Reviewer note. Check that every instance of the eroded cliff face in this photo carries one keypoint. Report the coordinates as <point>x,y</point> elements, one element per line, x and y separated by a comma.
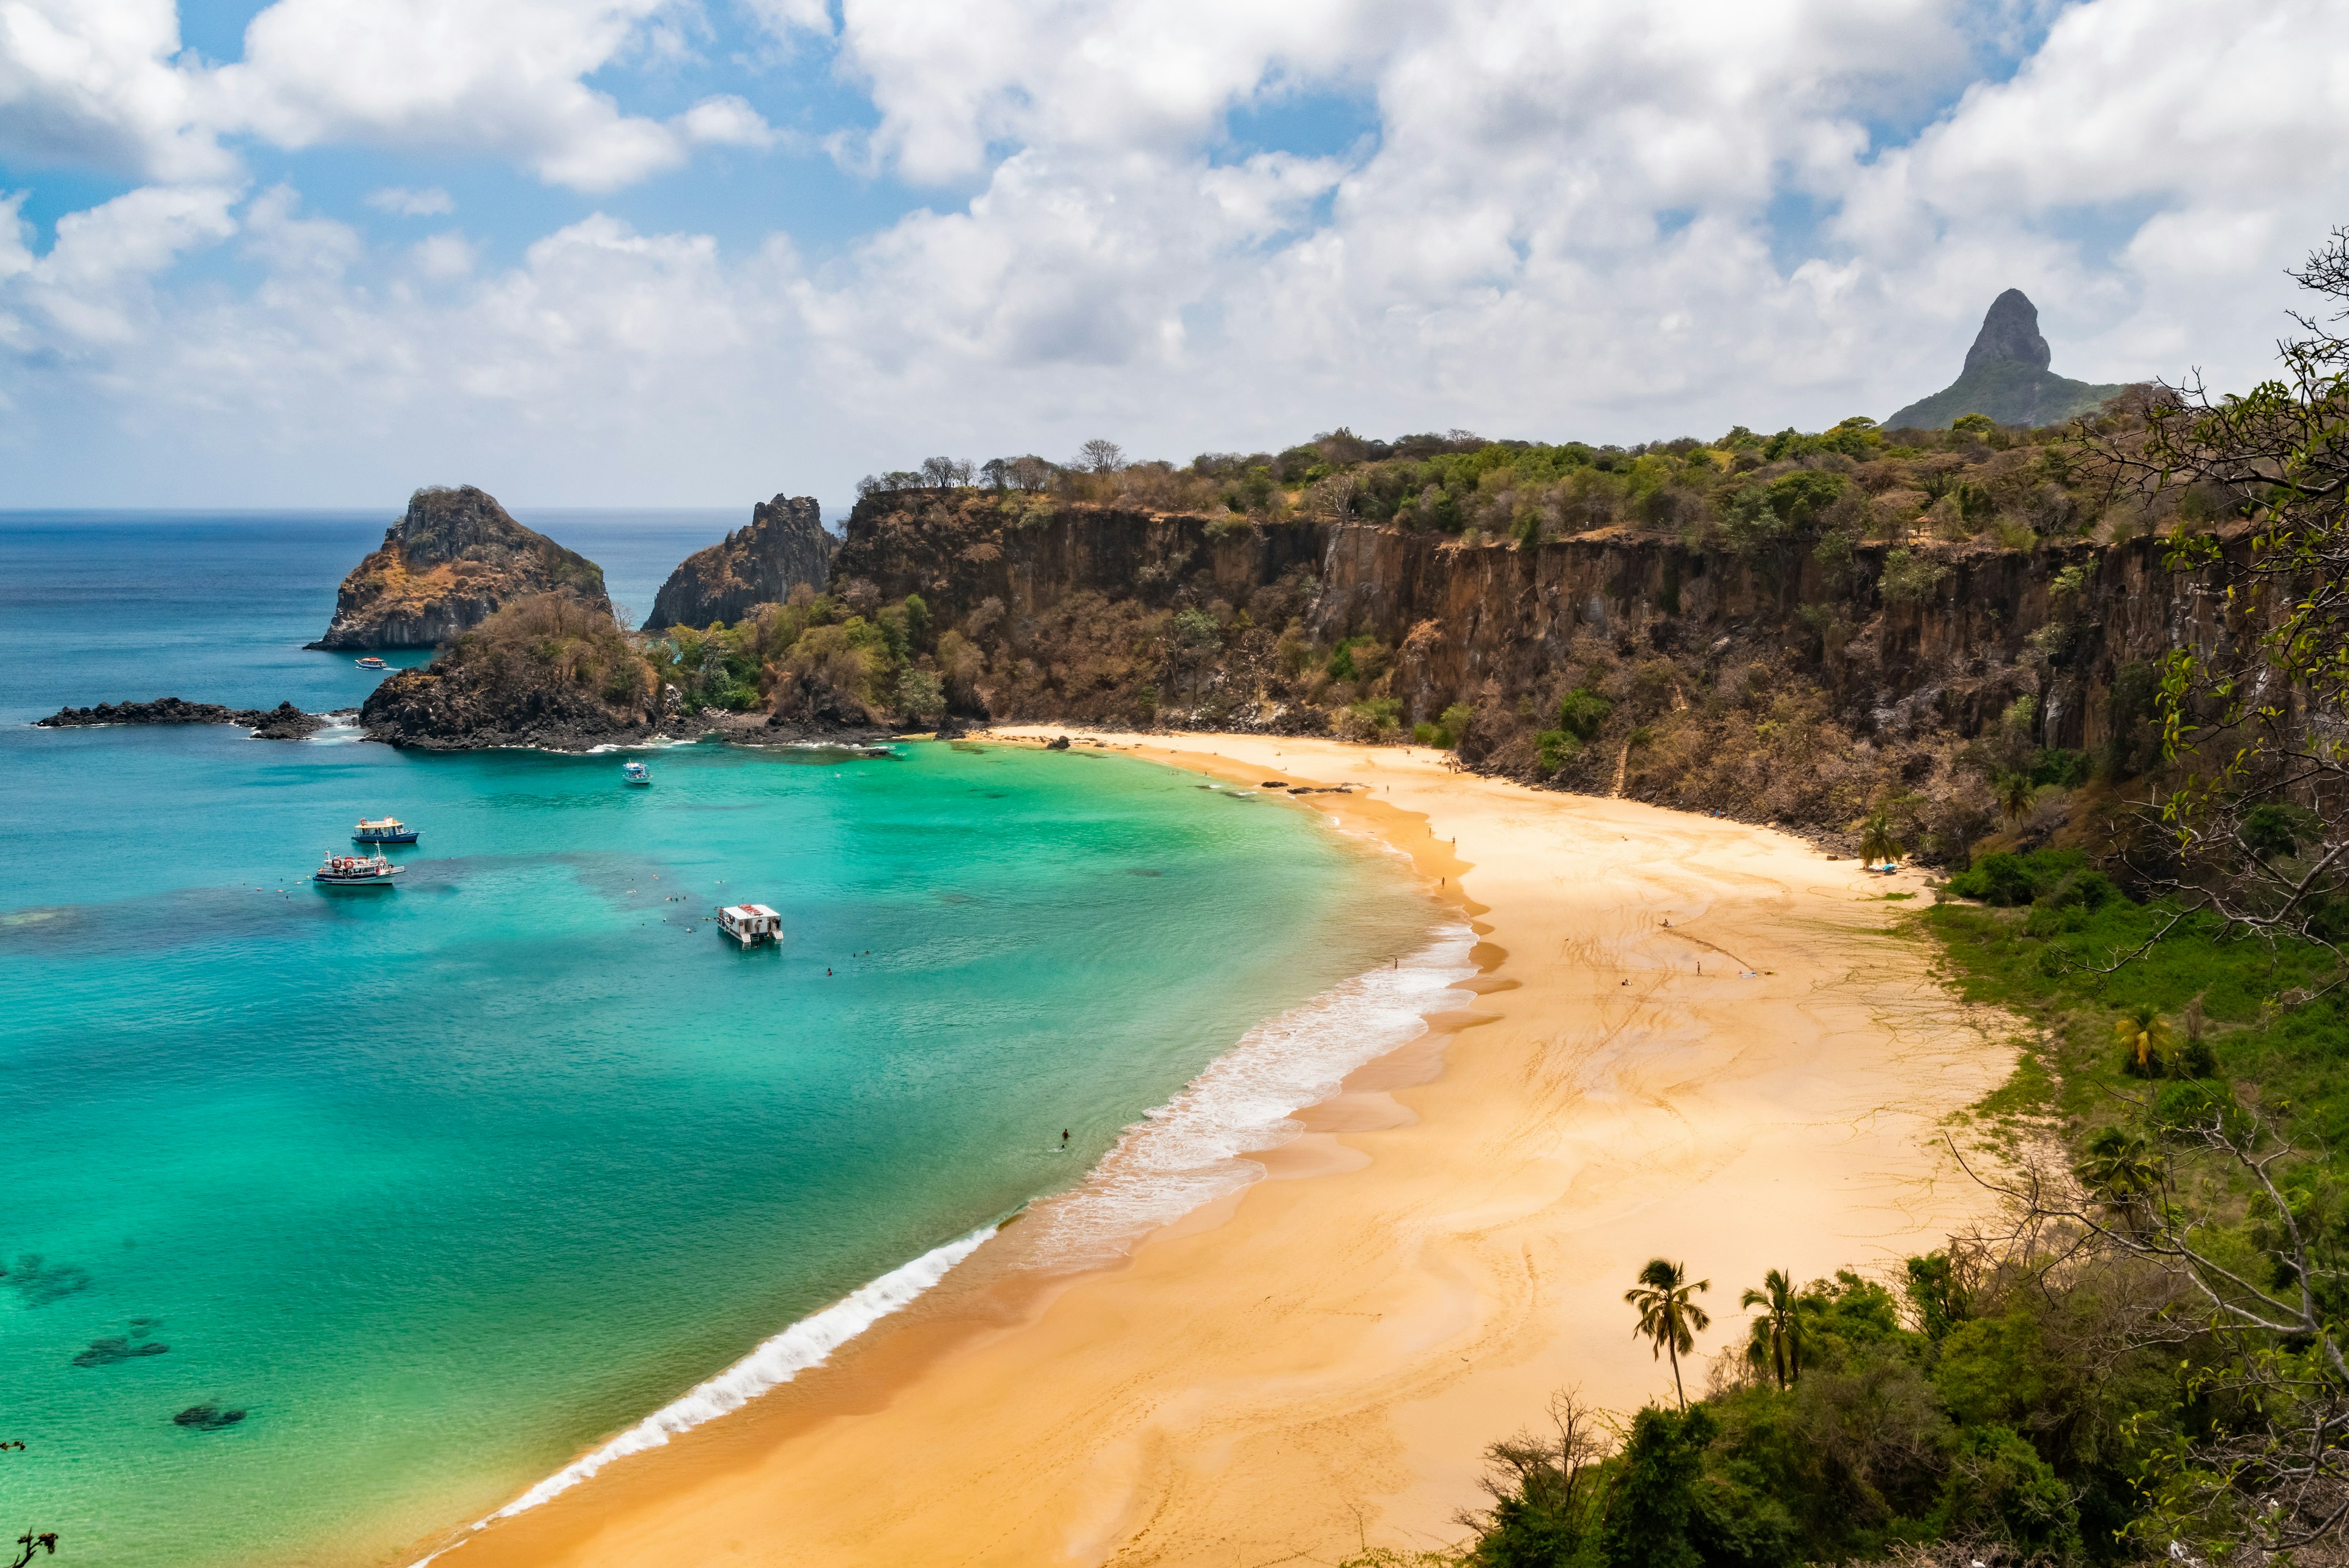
<point>783,546</point>
<point>1773,684</point>
<point>445,567</point>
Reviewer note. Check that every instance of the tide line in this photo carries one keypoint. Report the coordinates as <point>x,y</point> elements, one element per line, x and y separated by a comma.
<point>807,1343</point>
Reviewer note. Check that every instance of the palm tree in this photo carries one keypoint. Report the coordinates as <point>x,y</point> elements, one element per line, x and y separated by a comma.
<point>2016,793</point>
<point>1878,842</point>
<point>1667,1316</point>
<point>1777,1342</point>
<point>2122,1169</point>
<point>2141,1030</point>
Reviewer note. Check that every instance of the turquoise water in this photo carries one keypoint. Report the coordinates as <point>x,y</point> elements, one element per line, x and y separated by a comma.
<point>443,1183</point>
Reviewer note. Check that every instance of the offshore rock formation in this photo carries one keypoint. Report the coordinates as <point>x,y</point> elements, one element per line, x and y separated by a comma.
<point>784,546</point>
<point>2006,376</point>
<point>446,565</point>
<point>547,671</point>
<point>282,722</point>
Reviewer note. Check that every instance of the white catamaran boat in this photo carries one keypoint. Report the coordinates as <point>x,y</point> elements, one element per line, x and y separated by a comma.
<point>354,871</point>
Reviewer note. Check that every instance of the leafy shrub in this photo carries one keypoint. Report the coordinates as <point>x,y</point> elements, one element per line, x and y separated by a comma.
<point>1553,749</point>
<point>1910,579</point>
<point>2005,880</point>
<point>1582,713</point>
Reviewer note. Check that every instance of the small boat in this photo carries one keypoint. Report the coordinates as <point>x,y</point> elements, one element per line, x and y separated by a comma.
<point>354,871</point>
<point>383,830</point>
<point>750,924</point>
<point>370,662</point>
<point>635,773</point>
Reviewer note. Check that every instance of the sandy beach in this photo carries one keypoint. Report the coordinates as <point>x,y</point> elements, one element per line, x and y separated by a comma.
<point>1689,1037</point>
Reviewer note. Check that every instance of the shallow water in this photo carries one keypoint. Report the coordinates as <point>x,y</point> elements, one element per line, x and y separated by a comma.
<point>443,1184</point>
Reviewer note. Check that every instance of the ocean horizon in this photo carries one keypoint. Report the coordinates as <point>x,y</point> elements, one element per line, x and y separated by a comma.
<point>339,1221</point>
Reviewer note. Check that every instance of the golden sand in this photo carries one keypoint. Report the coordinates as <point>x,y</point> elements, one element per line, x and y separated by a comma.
<point>1317,1362</point>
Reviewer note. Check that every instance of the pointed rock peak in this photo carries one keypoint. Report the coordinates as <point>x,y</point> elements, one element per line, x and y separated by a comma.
<point>2010,332</point>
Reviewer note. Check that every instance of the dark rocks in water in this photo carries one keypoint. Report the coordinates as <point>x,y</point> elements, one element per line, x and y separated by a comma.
<point>447,566</point>
<point>207,1417</point>
<point>433,709</point>
<point>1057,744</point>
<point>2006,376</point>
<point>105,1352</point>
<point>37,1284</point>
<point>282,722</point>
<point>783,546</point>
<point>951,729</point>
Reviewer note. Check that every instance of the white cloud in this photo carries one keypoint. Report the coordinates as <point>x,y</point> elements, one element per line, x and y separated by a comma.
<point>724,121</point>
<point>444,255</point>
<point>1572,221</point>
<point>404,203</point>
<point>90,83</point>
<point>104,84</point>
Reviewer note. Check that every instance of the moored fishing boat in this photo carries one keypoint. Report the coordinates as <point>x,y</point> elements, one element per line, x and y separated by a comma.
<point>354,871</point>
<point>636,773</point>
<point>383,830</point>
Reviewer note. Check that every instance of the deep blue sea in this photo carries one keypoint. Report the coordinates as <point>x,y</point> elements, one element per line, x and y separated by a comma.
<point>444,1185</point>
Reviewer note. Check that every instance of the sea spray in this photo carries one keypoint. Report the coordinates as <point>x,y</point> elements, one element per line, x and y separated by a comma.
<point>1189,1151</point>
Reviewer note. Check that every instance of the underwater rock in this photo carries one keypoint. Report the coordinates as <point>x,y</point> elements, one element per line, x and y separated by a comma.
<point>105,1352</point>
<point>207,1418</point>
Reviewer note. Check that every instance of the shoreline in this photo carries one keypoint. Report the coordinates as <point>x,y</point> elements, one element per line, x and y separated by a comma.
<point>1318,1357</point>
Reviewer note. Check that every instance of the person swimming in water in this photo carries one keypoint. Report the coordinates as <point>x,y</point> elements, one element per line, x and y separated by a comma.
<point>1064,1137</point>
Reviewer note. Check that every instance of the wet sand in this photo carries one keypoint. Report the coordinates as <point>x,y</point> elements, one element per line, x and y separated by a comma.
<point>1315,1363</point>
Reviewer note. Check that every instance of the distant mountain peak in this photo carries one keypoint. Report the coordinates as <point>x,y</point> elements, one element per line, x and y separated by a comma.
<point>2010,331</point>
<point>2006,376</point>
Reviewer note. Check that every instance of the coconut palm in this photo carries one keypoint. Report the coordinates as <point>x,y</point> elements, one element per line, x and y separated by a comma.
<point>1668,1317</point>
<point>1878,843</point>
<point>2016,795</point>
<point>1777,1343</point>
<point>2122,1169</point>
<point>2142,1031</point>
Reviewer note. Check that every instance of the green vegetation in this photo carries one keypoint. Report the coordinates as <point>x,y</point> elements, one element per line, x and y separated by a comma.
<point>817,658</point>
<point>2144,1358</point>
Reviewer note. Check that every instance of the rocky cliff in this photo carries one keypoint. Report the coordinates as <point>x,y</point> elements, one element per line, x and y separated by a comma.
<point>2006,376</point>
<point>446,565</point>
<point>783,546</point>
<point>1770,683</point>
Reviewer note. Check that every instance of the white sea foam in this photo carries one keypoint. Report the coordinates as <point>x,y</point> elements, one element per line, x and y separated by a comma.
<point>1187,1152</point>
<point>808,1343</point>
<point>1191,1150</point>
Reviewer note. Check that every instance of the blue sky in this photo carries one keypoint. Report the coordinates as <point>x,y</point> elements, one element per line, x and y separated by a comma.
<point>647,252</point>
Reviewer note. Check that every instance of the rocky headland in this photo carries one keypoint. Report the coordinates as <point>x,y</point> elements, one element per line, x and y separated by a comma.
<point>447,566</point>
<point>783,545</point>
<point>282,722</point>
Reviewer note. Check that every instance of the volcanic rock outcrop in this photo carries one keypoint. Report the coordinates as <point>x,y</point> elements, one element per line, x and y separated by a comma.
<point>784,546</point>
<point>282,722</point>
<point>2006,376</point>
<point>445,567</point>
